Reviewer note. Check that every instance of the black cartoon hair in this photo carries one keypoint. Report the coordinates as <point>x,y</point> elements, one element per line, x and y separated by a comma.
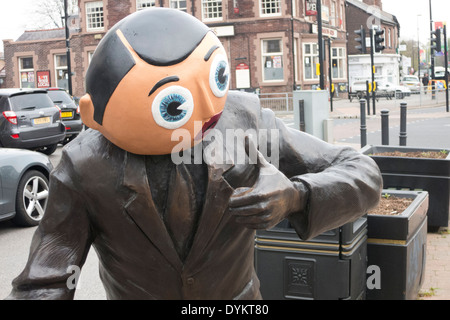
<point>160,36</point>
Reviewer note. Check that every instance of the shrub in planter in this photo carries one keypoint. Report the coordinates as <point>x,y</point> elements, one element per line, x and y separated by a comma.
<point>417,169</point>
<point>397,246</point>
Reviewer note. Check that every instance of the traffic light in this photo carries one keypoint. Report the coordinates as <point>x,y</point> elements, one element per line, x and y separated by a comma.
<point>362,40</point>
<point>436,41</point>
<point>379,40</point>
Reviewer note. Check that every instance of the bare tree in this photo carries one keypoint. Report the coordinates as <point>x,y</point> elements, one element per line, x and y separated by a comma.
<point>48,14</point>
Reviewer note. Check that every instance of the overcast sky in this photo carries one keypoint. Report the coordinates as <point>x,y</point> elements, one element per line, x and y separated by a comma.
<point>15,16</point>
<point>406,12</point>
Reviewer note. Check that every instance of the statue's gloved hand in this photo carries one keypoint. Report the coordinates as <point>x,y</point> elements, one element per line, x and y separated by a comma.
<point>270,200</point>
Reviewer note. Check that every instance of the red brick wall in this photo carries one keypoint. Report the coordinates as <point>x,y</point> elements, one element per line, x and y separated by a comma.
<point>39,51</point>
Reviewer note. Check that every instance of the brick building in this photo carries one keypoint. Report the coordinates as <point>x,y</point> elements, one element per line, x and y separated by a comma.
<point>367,13</point>
<point>271,44</point>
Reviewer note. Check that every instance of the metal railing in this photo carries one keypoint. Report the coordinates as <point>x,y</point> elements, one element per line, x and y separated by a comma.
<point>277,101</point>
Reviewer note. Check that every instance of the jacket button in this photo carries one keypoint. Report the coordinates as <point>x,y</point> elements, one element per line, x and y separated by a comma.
<point>190,281</point>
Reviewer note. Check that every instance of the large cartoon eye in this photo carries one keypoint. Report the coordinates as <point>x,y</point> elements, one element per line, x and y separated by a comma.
<point>219,76</point>
<point>173,107</point>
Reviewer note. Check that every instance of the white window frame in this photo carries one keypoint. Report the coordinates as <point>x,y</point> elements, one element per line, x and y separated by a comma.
<point>390,39</point>
<point>333,17</point>
<point>27,70</point>
<point>313,57</point>
<point>143,4</point>
<point>99,25</point>
<point>177,4</point>
<point>90,55</point>
<point>272,54</point>
<point>263,11</point>
<point>208,5</point>
<point>341,58</point>
<point>58,68</point>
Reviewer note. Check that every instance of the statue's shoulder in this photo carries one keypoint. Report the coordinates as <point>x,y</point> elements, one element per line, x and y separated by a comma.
<point>244,110</point>
<point>243,102</point>
<point>241,110</point>
<point>90,146</point>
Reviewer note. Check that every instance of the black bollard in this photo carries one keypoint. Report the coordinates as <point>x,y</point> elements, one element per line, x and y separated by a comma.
<point>301,109</point>
<point>363,123</point>
<point>385,127</point>
<point>403,107</point>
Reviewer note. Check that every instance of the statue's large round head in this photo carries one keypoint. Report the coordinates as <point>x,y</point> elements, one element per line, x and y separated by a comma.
<point>156,71</point>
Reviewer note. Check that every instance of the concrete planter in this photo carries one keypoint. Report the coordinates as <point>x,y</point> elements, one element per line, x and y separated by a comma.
<point>397,246</point>
<point>432,175</point>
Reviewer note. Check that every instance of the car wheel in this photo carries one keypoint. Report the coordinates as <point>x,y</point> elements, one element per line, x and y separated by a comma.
<point>48,150</point>
<point>31,199</point>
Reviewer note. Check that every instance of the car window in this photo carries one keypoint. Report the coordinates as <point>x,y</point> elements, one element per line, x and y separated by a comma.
<point>410,79</point>
<point>59,96</point>
<point>30,101</point>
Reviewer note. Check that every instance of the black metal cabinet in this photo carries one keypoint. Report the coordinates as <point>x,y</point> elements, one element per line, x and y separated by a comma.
<point>329,267</point>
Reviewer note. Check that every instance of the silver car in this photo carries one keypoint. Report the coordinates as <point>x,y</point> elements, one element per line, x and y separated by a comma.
<point>24,186</point>
<point>412,83</point>
<point>30,120</point>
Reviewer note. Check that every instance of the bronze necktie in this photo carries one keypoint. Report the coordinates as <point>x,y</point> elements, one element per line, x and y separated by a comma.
<point>181,209</point>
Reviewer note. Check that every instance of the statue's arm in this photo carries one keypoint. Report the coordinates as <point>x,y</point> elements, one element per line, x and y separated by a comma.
<point>341,183</point>
<point>60,244</point>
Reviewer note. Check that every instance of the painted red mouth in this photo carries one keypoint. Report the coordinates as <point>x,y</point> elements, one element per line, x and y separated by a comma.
<point>207,126</point>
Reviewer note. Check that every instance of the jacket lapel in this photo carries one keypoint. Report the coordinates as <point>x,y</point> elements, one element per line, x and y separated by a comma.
<point>141,208</point>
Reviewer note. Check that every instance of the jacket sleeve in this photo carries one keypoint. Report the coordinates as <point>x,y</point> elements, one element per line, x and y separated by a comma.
<point>341,183</point>
<point>60,244</point>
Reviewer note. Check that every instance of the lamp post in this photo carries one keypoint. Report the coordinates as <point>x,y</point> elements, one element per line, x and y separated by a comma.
<point>433,96</point>
<point>418,46</point>
<point>69,68</point>
<point>320,40</point>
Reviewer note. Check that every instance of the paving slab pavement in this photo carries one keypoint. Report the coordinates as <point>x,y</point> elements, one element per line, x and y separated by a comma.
<point>436,283</point>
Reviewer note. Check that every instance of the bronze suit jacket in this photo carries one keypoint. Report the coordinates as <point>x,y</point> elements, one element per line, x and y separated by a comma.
<point>100,197</point>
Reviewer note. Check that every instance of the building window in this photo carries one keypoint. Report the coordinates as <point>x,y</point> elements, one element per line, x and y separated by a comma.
<point>296,59</point>
<point>389,38</point>
<point>61,74</point>
<point>142,4</point>
<point>94,16</point>
<point>272,59</point>
<point>26,72</point>
<point>338,60</point>
<point>310,61</point>
<point>270,7</point>
<point>211,10</point>
<point>90,55</point>
<point>333,17</point>
<point>177,4</point>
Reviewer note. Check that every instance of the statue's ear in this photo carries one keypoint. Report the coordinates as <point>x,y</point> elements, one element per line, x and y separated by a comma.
<point>87,112</point>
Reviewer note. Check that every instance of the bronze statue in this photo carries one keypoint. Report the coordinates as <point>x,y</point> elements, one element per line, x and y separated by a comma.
<point>157,92</point>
